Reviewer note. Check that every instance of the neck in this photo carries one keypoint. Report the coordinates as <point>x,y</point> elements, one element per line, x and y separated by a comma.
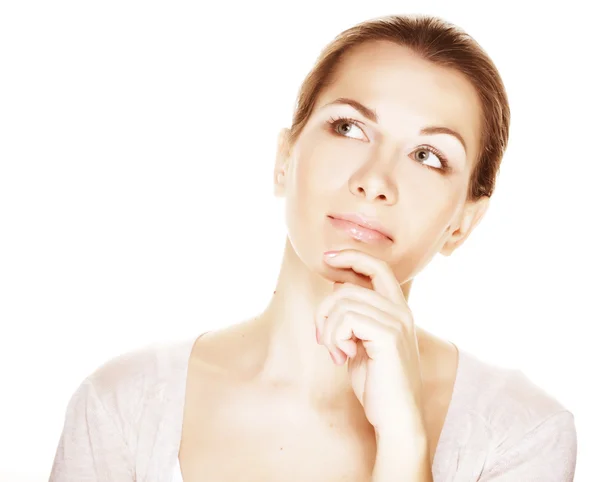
<point>292,357</point>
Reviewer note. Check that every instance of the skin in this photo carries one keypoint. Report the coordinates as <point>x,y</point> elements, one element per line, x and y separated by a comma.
<point>264,397</point>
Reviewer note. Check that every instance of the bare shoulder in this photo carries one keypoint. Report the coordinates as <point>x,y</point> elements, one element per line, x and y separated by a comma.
<point>479,400</point>
<point>224,351</point>
<point>439,361</point>
<point>492,388</point>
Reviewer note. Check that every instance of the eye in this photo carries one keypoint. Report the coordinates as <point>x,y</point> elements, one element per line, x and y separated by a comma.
<point>426,154</point>
<point>344,126</point>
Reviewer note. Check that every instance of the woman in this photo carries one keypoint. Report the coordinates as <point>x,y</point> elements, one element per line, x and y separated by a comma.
<point>391,158</point>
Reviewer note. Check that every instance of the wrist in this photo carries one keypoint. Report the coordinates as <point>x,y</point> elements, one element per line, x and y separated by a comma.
<point>401,453</point>
<point>412,444</point>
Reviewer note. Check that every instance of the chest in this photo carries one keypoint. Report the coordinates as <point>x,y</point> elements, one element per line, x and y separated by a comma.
<point>257,460</point>
<point>241,440</point>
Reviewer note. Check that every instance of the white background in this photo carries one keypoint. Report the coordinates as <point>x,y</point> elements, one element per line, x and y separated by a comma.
<point>137,141</point>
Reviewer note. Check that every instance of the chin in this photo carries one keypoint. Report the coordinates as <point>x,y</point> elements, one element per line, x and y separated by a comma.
<point>309,251</point>
<point>311,236</point>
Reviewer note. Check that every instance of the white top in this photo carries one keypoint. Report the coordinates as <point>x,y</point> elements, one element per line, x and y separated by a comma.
<point>177,477</point>
<point>124,423</point>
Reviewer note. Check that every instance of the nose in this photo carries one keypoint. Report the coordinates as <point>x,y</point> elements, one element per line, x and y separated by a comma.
<point>373,183</point>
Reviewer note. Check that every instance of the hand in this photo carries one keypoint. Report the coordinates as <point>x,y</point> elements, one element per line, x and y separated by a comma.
<point>373,330</point>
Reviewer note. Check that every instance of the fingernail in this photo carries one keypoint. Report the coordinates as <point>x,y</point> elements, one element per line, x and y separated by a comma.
<point>330,254</point>
<point>333,358</point>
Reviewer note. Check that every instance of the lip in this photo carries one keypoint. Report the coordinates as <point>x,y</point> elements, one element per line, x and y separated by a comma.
<point>360,227</point>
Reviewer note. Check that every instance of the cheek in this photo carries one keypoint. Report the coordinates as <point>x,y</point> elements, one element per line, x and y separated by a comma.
<point>433,217</point>
<point>425,224</point>
<point>305,193</point>
<point>425,207</point>
<point>318,174</point>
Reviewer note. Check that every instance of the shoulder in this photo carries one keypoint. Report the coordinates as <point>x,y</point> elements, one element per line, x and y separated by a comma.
<point>515,418</point>
<point>140,370</point>
<point>138,382</point>
<point>124,414</point>
<point>504,398</point>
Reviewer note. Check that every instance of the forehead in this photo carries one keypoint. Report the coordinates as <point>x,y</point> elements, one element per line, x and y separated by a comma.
<point>407,91</point>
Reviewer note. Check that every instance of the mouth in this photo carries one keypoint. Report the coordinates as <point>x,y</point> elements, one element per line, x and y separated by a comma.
<point>360,228</point>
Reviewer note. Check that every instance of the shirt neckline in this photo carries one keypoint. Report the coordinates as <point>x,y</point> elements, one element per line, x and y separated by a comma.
<point>443,440</point>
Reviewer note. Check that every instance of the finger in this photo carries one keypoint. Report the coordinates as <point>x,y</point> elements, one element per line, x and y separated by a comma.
<point>349,291</point>
<point>358,306</point>
<point>377,270</point>
<point>324,308</point>
<point>320,315</point>
<point>346,348</point>
<point>336,318</point>
<point>374,337</point>
<point>347,275</point>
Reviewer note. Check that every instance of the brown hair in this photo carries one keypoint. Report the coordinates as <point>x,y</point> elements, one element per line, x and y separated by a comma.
<point>442,43</point>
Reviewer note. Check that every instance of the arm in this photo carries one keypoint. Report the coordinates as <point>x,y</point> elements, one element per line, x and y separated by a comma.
<point>91,447</point>
<point>397,460</point>
<point>546,453</point>
<point>374,331</point>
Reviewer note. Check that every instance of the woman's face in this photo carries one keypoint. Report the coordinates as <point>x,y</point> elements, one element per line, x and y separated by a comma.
<point>404,165</point>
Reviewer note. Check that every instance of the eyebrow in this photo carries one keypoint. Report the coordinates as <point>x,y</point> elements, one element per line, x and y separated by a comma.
<point>373,117</point>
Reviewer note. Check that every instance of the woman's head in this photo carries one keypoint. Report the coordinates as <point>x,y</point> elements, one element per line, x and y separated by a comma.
<point>404,120</point>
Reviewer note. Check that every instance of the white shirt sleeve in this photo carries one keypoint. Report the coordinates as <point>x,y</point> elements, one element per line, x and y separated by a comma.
<point>546,453</point>
<point>91,446</point>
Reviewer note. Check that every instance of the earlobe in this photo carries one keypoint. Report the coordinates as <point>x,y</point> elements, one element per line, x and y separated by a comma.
<point>279,184</point>
<point>472,215</point>
<point>281,161</point>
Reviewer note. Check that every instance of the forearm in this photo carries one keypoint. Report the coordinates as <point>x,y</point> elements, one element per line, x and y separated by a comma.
<point>402,458</point>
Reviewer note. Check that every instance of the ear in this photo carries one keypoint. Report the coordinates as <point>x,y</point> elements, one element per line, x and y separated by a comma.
<point>472,214</point>
<point>281,162</point>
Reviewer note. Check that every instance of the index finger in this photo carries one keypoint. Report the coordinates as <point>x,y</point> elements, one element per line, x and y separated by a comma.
<point>382,277</point>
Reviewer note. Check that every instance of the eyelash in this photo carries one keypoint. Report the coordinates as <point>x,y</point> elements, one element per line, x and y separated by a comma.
<point>335,121</point>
